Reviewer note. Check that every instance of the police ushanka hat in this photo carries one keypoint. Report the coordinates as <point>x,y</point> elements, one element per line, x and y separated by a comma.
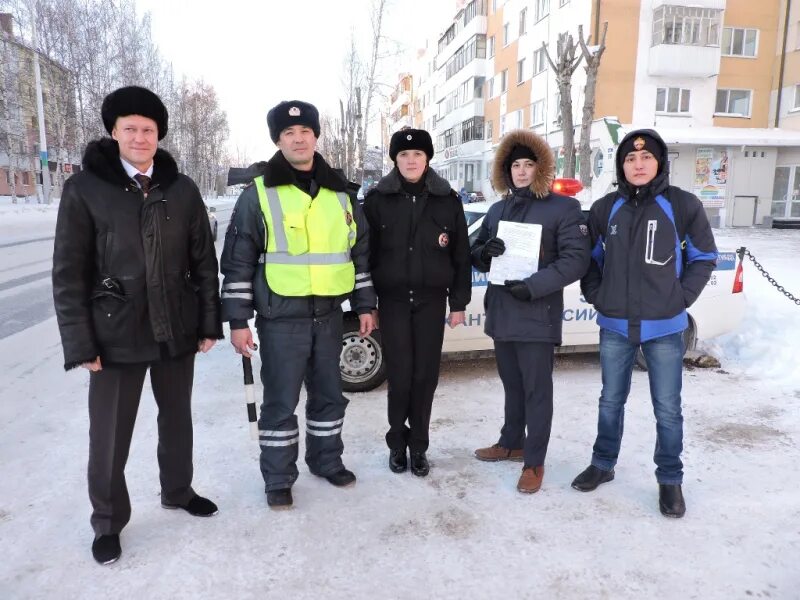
<point>410,139</point>
<point>292,112</point>
<point>134,100</point>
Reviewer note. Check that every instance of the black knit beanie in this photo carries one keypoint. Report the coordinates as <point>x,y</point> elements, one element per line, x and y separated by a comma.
<point>641,141</point>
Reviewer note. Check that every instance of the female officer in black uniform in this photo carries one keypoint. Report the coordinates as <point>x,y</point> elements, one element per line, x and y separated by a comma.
<point>419,259</point>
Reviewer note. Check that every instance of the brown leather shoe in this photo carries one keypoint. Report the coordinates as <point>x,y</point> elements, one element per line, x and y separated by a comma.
<point>531,479</point>
<point>497,452</point>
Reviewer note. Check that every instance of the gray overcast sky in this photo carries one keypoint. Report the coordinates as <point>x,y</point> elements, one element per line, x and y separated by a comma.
<point>259,53</point>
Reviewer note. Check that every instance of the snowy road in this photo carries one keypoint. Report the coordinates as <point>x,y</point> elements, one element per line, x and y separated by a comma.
<point>463,532</point>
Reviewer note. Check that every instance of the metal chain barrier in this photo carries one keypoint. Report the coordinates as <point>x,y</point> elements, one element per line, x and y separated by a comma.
<point>742,252</point>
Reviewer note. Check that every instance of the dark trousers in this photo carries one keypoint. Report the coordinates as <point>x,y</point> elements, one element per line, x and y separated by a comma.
<point>411,334</point>
<point>114,394</point>
<point>526,370</point>
<point>293,350</point>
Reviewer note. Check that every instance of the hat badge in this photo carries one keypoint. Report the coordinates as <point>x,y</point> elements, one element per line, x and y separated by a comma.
<point>638,143</point>
<point>294,111</point>
<point>408,137</point>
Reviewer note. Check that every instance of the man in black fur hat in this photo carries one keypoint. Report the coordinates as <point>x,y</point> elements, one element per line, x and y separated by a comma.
<point>296,248</point>
<point>135,287</point>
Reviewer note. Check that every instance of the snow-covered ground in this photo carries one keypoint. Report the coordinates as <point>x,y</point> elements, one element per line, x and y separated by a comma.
<point>462,532</point>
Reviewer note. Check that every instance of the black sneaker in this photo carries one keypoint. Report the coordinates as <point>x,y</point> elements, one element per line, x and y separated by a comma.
<point>106,549</point>
<point>341,478</point>
<point>197,507</point>
<point>398,461</point>
<point>419,464</point>
<point>278,499</point>
<point>670,501</point>
<point>591,478</point>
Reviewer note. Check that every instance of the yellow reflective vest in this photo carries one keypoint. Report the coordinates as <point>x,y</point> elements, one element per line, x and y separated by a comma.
<point>308,241</point>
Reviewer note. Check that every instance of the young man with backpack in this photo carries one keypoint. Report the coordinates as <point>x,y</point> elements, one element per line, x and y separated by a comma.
<point>653,252</point>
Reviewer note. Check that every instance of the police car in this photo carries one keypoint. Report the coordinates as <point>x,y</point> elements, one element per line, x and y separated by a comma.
<point>719,309</point>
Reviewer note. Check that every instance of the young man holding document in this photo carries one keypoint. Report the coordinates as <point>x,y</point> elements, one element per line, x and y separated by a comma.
<point>525,296</point>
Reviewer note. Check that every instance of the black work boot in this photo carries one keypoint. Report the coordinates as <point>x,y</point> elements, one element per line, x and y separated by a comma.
<point>106,549</point>
<point>342,478</point>
<point>419,464</point>
<point>197,507</point>
<point>670,500</point>
<point>279,499</point>
<point>591,478</point>
<point>398,461</point>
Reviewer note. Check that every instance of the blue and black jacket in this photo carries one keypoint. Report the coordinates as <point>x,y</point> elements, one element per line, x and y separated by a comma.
<point>653,252</point>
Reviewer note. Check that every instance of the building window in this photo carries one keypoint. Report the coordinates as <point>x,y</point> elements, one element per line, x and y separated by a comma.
<point>733,102</point>
<point>489,131</point>
<point>539,61</point>
<point>506,35</point>
<point>541,8</point>
<point>557,112</point>
<point>739,42</point>
<point>523,21</point>
<point>797,29</point>
<point>537,113</point>
<point>490,88</point>
<point>491,47</point>
<point>796,97</point>
<point>686,25</point>
<point>520,71</point>
<point>472,129</point>
<point>672,100</point>
<point>474,48</point>
<point>502,125</point>
<point>504,81</point>
<point>473,9</point>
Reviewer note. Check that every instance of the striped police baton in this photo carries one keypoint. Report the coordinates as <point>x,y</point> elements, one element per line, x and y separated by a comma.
<point>250,395</point>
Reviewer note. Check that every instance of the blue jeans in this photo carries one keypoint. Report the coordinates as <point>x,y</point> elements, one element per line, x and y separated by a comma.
<point>665,370</point>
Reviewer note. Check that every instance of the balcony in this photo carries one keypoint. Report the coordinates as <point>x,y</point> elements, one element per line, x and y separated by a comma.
<point>404,121</point>
<point>679,60</point>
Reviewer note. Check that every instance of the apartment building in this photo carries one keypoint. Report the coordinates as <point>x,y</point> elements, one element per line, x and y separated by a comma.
<point>19,129</point>
<point>719,79</point>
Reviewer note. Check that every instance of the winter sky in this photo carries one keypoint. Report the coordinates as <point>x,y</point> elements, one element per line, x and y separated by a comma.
<point>259,53</point>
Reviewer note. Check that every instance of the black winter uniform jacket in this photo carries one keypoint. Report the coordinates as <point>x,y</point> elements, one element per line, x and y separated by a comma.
<point>134,278</point>
<point>564,254</point>
<point>642,277</point>
<point>245,287</point>
<point>419,244</point>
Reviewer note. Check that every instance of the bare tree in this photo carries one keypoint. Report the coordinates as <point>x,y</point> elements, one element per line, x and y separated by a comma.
<point>12,134</point>
<point>563,70</point>
<point>592,59</point>
<point>376,19</point>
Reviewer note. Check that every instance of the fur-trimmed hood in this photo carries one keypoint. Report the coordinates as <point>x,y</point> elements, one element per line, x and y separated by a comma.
<point>101,158</point>
<point>545,162</point>
<point>435,184</point>
<point>277,171</point>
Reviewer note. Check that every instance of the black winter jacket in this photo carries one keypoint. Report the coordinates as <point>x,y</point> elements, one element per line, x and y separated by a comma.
<point>245,287</point>
<point>134,278</point>
<point>642,277</point>
<point>564,254</point>
<point>419,244</point>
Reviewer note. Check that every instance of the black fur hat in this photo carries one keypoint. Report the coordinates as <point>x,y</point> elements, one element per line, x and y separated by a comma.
<point>410,139</point>
<point>292,112</point>
<point>134,100</point>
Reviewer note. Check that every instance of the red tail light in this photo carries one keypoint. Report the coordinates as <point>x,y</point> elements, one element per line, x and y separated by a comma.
<point>567,186</point>
<point>738,280</point>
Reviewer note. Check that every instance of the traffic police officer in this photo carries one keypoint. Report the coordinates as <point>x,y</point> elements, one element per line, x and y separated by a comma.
<point>296,247</point>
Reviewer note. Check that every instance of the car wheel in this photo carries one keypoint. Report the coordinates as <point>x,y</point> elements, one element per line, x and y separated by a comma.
<point>689,343</point>
<point>361,363</point>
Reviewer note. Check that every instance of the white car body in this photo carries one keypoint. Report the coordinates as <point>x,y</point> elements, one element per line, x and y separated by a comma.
<point>718,310</point>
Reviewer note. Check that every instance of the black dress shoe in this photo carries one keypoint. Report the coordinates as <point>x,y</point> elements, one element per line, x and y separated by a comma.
<point>591,478</point>
<point>278,499</point>
<point>670,501</point>
<point>106,549</point>
<point>197,507</point>
<point>398,461</point>
<point>419,464</point>
<point>341,478</point>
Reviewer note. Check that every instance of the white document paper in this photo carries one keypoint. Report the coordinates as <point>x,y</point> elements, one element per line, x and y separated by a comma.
<point>521,258</point>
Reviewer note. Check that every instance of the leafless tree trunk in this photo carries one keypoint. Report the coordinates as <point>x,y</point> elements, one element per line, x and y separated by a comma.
<point>567,63</point>
<point>592,59</point>
<point>378,12</point>
<point>11,135</point>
